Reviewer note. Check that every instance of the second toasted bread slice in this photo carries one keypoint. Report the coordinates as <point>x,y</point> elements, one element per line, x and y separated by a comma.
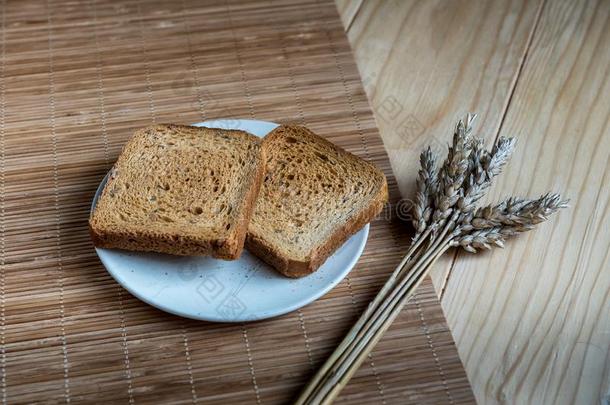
<point>181,190</point>
<point>313,198</point>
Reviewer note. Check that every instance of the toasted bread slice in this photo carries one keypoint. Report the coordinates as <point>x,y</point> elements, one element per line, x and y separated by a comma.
<point>314,197</point>
<point>181,190</point>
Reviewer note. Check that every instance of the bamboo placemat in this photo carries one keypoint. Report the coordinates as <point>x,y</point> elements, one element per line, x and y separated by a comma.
<point>75,80</point>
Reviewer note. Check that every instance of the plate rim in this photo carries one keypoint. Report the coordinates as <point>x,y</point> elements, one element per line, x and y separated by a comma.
<point>116,275</point>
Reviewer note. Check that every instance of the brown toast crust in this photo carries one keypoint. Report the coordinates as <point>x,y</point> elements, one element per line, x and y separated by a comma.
<point>228,249</point>
<point>261,247</point>
<point>141,238</point>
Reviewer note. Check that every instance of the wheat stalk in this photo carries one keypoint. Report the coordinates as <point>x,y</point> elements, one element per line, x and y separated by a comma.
<point>484,167</point>
<point>444,216</point>
<point>453,171</point>
<point>426,187</point>
<point>515,212</point>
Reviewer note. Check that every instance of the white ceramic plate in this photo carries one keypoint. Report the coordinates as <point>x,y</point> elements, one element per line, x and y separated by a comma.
<point>225,291</point>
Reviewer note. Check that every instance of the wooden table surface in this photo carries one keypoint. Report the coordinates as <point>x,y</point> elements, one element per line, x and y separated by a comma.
<point>532,321</point>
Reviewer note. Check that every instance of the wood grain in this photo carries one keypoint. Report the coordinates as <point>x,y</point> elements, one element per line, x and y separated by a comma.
<point>533,322</point>
<point>76,79</point>
<point>425,64</point>
<point>348,9</point>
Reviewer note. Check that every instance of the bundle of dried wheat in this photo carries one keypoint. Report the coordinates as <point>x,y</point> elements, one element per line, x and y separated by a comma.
<point>445,215</point>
